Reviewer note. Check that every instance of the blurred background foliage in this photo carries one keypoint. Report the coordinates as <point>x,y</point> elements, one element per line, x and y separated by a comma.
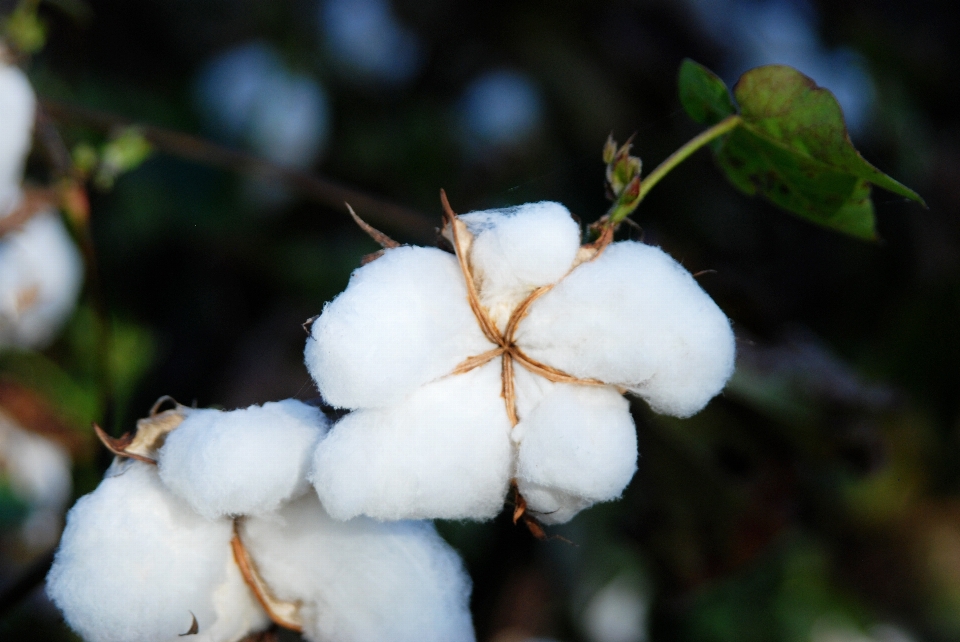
<point>817,499</point>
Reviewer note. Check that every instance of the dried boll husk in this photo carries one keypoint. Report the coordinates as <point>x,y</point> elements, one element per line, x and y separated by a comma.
<point>554,319</point>
<point>361,580</point>
<point>242,462</point>
<point>137,564</point>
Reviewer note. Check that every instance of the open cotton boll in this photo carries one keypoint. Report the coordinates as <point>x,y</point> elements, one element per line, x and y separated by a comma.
<point>17,108</point>
<point>577,447</point>
<point>41,272</point>
<point>517,249</point>
<point>444,452</point>
<point>136,564</point>
<point>242,461</point>
<point>635,317</point>
<point>362,580</point>
<point>403,320</point>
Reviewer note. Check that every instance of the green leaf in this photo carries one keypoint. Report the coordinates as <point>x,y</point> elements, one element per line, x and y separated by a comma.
<point>703,95</point>
<point>791,146</point>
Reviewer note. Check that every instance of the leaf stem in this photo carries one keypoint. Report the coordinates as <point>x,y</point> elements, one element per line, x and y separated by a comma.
<point>725,126</point>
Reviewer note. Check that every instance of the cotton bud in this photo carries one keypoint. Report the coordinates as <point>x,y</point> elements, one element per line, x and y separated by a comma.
<point>137,564</point>
<point>505,362</point>
<point>242,462</point>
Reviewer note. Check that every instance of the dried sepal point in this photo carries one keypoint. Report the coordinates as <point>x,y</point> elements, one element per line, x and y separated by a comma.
<point>506,362</point>
<point>221,538</point>
<point>41,270</point>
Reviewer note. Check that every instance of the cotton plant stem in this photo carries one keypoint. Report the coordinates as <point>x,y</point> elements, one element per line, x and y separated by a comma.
<point>412,223</point>
<point>725,126</point>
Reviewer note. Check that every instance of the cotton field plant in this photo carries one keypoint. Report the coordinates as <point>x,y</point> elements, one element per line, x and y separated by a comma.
<point>491,373</point>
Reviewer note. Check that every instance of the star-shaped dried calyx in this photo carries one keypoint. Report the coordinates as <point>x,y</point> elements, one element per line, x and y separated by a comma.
<point>460,237</point>
<point>505,362</point>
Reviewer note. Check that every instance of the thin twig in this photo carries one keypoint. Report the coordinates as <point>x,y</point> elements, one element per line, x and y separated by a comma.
<point>320,190</point>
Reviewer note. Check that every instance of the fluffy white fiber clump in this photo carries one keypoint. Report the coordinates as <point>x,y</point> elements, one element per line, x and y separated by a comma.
<point>136,564</point>
<point>242,462</point>
<point>444,451</point>
<point>40,267</point>
<point>393,329</point>
<point>426,435</point>
<point>361,580</point>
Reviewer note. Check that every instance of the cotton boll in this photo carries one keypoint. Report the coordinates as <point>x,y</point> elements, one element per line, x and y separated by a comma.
<point>136,564</point>
<point>38,472</point>
<point>577,447</point>
<point>243,461</point>
<point>444,452</point>
<point>17,109</point>
<point>634,317</point>
<point>518,249</point>
<point>362,580</point>
<point>41,272</point>
<point>403,320</point>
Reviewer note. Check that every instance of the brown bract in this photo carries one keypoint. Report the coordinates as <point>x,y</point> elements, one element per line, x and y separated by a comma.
<point>285,614</point>
<point>149,436</point>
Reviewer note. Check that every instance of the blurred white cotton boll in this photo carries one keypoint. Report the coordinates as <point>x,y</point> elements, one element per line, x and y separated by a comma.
<point>38,471</point>
<point>517,249</point>
<point>362,580</point>
<point>17,109</point>
<point>136,564</point>
<point>368,43</point>
<point>635,317</point>
<point>241,462</point>
<point>501,109</point>
<point>402,321</point>
<point>41,272</point>
<point>617,613</point>
<point>247,94</point>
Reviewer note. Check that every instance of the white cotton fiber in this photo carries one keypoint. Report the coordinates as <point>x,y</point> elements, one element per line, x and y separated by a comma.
<point>444,452</point>
<point>518,249</point>
<point>577,447</point>
<point>41,272</point>
<point>362,580</point>
<point>241,462</point>
<point>136,565</point>
<point>403,320</point>
<point>634,317</point>
<point>17,109</point>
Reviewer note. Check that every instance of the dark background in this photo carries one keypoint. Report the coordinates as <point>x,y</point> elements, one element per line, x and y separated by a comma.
<point>818,496</point>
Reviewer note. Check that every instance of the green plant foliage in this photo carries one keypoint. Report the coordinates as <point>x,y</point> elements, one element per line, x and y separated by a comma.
<point>791,145</point>
<point>703,95</point>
